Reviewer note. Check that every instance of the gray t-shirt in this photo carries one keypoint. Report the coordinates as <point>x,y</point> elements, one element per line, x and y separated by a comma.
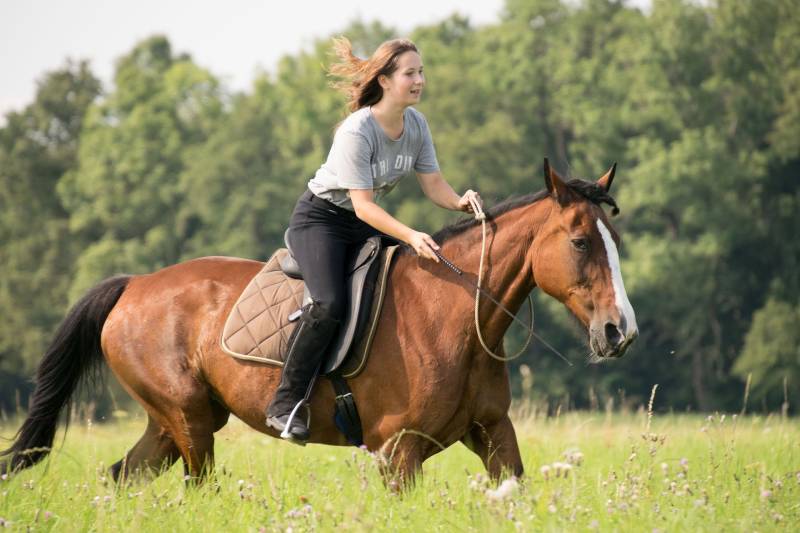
<point>364,157</point>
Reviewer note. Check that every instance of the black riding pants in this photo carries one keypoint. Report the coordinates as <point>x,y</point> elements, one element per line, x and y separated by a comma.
<point>322,237</point>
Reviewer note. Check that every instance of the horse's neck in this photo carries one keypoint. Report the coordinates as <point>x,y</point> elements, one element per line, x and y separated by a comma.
<point>506,276</point>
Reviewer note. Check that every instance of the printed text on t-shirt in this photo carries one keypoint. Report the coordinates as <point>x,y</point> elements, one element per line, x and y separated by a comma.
<point>401,162</point>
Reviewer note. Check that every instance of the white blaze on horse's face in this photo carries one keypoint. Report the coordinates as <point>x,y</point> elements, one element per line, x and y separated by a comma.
<point>620,296</point>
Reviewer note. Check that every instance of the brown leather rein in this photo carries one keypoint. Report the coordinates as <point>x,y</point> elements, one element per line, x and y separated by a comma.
<point>480,215</point>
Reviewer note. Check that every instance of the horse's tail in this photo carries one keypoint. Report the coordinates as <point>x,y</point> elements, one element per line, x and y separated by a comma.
<point>74,355</point>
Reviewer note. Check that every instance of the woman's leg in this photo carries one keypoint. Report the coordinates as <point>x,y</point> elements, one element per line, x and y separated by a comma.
<point>319,243</point>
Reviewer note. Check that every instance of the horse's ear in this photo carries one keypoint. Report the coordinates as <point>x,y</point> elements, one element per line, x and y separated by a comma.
<point>555,183</point>
<point>605,181</point>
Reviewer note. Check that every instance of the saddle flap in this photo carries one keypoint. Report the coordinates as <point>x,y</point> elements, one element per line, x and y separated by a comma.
<point>361,286</point>
<point>366,254</point>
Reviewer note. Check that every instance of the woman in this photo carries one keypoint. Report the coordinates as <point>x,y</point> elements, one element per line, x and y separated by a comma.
<point>380,142</point>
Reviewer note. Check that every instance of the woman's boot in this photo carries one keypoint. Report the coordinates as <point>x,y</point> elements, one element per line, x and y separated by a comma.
<point>306,351</point>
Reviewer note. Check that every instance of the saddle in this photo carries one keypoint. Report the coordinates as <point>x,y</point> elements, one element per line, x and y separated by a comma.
<point>261,321</point>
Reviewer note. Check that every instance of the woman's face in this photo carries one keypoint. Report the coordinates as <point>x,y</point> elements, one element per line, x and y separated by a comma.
<point>404,85</point>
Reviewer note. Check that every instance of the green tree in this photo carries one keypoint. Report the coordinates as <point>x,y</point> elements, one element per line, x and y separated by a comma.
<point>38,145</point>
<point>771,352</point>
<point>124,195</point>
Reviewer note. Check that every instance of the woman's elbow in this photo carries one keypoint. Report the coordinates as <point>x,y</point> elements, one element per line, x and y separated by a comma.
<point>360,210</point>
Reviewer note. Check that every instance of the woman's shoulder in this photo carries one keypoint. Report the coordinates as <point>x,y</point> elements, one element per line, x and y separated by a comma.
<point>417,117</point>
<point>357,121</point>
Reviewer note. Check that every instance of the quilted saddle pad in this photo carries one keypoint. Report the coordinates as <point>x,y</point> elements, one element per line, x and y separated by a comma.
<point>258,326</point>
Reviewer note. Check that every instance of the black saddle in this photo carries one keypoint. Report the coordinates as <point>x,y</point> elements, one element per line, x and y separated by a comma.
<point>362,271</point>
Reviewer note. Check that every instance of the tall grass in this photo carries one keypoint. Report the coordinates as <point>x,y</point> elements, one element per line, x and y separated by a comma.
<point>599,470</point>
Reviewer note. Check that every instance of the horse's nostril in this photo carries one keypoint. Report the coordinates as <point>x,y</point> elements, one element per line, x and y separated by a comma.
<point>613,334</point>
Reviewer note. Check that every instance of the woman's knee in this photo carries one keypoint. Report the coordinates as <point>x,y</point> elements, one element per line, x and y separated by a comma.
<point>328,309</point>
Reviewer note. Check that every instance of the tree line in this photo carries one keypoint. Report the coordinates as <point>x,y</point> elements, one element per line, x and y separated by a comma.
<point>698,103</point>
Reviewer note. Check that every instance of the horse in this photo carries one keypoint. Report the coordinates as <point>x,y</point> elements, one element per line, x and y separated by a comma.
<point>427,377</point>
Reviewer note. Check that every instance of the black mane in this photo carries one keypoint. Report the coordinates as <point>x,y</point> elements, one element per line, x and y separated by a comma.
<point>587,189</point>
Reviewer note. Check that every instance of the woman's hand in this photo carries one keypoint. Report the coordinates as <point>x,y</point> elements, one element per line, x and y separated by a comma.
<point>464,203</point>
<point>424,245</point>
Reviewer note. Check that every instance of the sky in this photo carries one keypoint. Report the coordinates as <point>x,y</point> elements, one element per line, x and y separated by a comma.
<point>233,39</point>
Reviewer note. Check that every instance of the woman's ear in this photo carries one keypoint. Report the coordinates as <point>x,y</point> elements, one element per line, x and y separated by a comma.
<point>383,81</point>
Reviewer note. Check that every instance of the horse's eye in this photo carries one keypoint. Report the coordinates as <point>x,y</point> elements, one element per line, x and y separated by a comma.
<point>580,244</point>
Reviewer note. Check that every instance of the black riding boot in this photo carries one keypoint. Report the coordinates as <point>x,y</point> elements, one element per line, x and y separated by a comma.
<point>305,353</point>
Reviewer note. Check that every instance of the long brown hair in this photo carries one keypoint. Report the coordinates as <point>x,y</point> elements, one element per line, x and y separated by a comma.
<point>360,76</point>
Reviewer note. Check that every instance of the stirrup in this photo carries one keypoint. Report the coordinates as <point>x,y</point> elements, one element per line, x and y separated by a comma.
<point>286,433</point>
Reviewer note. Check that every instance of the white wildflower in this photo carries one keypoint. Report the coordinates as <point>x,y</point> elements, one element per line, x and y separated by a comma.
<point>506,489</point>
<point>574,457</point>
<point>562,469</point>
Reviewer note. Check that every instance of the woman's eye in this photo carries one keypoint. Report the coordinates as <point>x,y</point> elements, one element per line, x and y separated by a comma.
<point>580,244</point>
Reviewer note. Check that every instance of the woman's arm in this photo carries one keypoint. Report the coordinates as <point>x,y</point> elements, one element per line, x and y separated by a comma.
<point>374,215</point>
<point>442,194</point>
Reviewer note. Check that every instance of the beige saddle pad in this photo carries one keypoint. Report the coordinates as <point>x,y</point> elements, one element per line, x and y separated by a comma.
<point>258,326</point>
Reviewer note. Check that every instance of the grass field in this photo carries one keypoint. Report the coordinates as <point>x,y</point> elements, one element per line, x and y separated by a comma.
<point>584,471</point>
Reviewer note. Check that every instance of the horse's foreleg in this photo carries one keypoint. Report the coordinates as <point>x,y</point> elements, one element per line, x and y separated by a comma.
<point>402,461</point>
<point>154,453</point>
<point>496,445</point>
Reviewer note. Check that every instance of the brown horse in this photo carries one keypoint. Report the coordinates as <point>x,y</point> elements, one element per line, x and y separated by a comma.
<point>160,334</point>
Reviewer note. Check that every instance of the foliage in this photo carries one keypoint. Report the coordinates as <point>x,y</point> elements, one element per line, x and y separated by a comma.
<point>697,101</point>
<point>771,352</point>
<point>37,147</point>
<point>123,194</point>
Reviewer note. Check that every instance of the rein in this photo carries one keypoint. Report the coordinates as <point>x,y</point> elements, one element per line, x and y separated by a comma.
<point>480,215</point>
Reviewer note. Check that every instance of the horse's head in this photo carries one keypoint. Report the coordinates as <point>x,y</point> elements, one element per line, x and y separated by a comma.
<point>575,260</point>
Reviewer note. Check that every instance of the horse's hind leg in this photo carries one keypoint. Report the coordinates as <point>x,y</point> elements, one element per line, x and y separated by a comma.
<point>496,445</point>
<point>155,452</point>
<point>186,433</point>
<point>193,428</point>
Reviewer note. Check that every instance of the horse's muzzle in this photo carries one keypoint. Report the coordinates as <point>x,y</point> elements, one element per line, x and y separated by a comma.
<point>610,341</point>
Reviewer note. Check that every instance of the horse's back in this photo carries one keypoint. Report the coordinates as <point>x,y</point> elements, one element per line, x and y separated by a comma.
<point>213,268</point>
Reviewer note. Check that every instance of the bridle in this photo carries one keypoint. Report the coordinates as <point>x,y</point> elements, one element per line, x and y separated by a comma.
<point>480,215</point>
